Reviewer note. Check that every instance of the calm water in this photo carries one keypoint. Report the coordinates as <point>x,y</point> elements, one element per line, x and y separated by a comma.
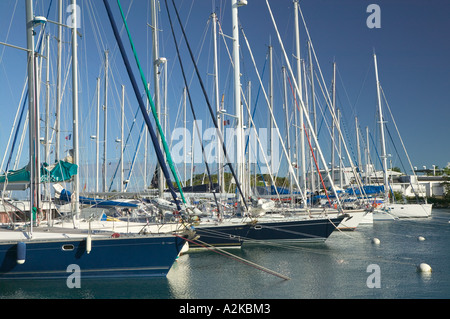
<point>334,269</point>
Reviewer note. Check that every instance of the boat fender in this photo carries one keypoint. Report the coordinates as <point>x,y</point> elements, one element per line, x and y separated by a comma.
<point>88,244</point>
<point>21,253</point>
<point>115,235</point>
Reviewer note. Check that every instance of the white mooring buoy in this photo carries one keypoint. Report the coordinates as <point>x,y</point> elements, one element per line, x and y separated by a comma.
<point>424,268</point>
<point>420,238</point>
<point>375,241</point>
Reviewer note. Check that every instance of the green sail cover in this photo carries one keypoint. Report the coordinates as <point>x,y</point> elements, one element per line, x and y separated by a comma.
<point>58,172</point>
<point>18,176</point>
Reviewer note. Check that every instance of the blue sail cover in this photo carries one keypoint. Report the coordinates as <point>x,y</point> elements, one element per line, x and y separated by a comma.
<point>368,189</point>
<point>95,202</point>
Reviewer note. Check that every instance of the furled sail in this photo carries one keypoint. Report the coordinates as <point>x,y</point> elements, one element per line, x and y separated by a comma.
<point>61,171</point>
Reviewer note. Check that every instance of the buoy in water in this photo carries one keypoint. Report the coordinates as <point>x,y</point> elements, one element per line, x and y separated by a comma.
<point>88,244</point>
<point>420,238</point>
<point>21,253</point>
<point>375,241</point>
<point>424,268</point>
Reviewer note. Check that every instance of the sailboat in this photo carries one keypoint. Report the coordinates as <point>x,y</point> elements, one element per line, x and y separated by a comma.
<point>31,251</point>
<point>244,227</point>
<point>391,210</point>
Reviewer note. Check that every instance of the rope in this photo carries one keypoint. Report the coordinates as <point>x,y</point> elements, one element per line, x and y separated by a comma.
<point>234,257</point>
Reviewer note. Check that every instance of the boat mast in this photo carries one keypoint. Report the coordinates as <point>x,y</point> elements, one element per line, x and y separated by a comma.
<point>157,99</point>
<point>271,141</point>
<point>97,138</point>
<point>288,142</point>
<point>58,82</point>
<point>333,125</point>
<point>248,166</point>
<point>237,95</point>
<point>313,100</point>
<point>185,136</point>
<point>105,123</point>
<point>299,81</point>
<point>76,160</point>
<point>146,145</point>
<point>32,111</point>
<point>367,156</point>
<point>358,144</point>
<point>47,124</point>
<point>383,142</point>
<point>216,99</point>
<point>47,101</point>
<point>122,120</point>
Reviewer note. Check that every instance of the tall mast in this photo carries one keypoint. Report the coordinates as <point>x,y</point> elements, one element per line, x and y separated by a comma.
<point>185,136</point>
<point>47,101</point>
<point>105,121</point>
<point>248,166</point>
<point>313,103</point>
<point>271,141</point>
<point>299,81</point>
<point>340,148</point>
<point>287,127</point>
<point>237,94</point>
<point>58,82</point>
<point>97,139</point>
<point>333,125</point>
<point>383,142</point>
<point>47,121</point>
<point>216,99</point>
<point>157,98</point>
<point>146,144</point>
<point>367,156</point>
<point>358,143</point>
<point>33,131</point>
<point>76,160</point>
<point>122,120</point>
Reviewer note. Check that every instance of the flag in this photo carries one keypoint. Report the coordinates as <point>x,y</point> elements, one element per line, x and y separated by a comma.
<point>68,137</point>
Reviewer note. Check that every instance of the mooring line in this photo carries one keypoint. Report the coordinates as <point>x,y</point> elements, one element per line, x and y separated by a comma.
<point>237,258</point>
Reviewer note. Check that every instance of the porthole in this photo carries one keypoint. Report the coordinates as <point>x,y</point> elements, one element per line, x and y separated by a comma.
<point>68,247</point>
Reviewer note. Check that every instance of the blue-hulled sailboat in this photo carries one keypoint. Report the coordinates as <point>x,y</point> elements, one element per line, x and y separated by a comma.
<point>30,251</point>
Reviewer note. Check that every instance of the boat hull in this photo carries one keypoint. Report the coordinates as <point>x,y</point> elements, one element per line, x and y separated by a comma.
<point>395,211</point>
<point>351,222</point>
<point>292,231</point>
<point>109,257</point>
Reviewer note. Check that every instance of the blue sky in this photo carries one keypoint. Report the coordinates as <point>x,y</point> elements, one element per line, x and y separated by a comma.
<point>412,46</point>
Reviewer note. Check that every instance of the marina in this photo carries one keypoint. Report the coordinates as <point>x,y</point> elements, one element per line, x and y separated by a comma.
<point>335,269</point>
<point>231,168</point>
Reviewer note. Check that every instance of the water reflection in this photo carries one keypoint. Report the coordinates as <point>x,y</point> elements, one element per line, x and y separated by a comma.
<point>334,269</point>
